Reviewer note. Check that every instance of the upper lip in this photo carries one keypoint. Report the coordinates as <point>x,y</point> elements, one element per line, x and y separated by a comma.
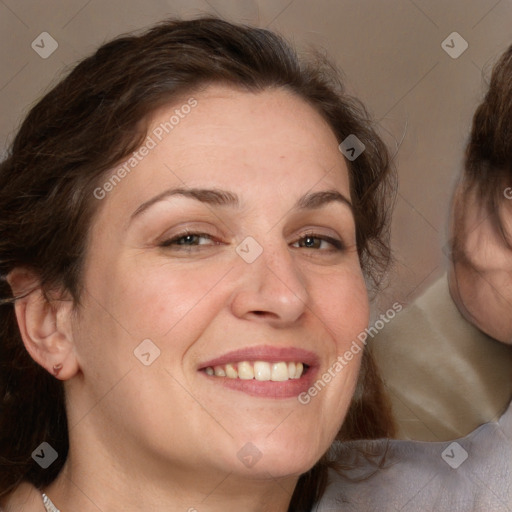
<point>264,353</point>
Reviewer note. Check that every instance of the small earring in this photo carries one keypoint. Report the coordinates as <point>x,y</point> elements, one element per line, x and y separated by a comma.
<point>57,368</point>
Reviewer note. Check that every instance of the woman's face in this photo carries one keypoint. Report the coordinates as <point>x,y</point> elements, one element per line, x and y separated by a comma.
<point>231,241</point>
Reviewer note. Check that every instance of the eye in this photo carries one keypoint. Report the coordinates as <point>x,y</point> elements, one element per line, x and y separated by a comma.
<point>322,242</point>
<point>188,239</point>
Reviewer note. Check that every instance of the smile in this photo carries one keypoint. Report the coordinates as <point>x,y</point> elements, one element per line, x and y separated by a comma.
<point>259,370</point>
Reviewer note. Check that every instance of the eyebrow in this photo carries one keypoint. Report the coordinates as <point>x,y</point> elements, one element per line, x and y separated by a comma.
<point>217,197</point>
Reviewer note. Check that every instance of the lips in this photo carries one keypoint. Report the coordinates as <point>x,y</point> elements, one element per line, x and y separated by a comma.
<point>264,371</point>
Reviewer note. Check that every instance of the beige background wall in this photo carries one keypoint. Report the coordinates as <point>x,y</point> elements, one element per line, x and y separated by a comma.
<point>390,52</point>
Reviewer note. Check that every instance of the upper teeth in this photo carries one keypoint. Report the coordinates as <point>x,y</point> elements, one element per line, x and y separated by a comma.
<point>259,370</point>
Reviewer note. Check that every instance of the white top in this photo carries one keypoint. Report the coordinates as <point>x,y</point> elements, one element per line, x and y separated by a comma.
<point>471,474</point>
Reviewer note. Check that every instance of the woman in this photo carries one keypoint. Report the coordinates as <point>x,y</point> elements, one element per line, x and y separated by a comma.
<point>185,251</point>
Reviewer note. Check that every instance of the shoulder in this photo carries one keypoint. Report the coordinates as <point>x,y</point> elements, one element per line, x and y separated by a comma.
<point>470,473</point>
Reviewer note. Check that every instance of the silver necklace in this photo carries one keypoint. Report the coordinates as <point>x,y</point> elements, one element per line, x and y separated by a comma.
<point>48,505</point>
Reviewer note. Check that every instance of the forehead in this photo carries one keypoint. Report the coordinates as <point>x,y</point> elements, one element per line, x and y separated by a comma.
<point>272,141</point>
<point>231,117</point>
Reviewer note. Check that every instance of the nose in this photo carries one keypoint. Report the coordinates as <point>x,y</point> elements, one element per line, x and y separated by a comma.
<point>271,289</point>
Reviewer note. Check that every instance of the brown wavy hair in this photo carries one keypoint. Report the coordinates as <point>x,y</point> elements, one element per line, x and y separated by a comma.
<point>92,120</point>
<point>488,158</point>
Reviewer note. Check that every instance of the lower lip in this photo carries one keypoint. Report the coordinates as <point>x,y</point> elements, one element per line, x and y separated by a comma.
<point>267,388</point>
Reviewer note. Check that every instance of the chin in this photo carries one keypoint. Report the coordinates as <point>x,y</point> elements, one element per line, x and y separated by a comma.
<point>500,334</point>
<point>488,326</point>
<point>287,457</point>
<point>282,466</point>
<point>264,456</point>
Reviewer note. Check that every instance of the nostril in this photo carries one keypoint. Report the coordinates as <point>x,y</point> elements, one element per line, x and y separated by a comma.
<point>268,314</point>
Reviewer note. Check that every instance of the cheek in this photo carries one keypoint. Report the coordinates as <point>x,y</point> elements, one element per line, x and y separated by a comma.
<point>341,302</point>
<point>343,308</point>
<point>488,301</point>
<point>472,293</point>
<point>126,303</point>
<point>158,298</point>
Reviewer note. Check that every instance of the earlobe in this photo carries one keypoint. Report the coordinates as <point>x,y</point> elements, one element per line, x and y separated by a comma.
<point>44,324</point>
<point>57,368</point>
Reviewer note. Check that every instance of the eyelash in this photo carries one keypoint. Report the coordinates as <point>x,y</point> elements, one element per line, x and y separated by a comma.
<point>337,244</point>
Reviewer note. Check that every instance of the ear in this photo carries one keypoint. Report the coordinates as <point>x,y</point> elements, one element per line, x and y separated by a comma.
<point>45,324</point>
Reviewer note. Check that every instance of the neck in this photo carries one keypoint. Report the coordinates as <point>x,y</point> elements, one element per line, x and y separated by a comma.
<point>111,470</point>
<point>77,488</point>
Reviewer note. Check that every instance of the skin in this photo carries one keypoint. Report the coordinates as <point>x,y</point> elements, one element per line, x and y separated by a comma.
<point>480,274</point>
<point>165,437</point>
